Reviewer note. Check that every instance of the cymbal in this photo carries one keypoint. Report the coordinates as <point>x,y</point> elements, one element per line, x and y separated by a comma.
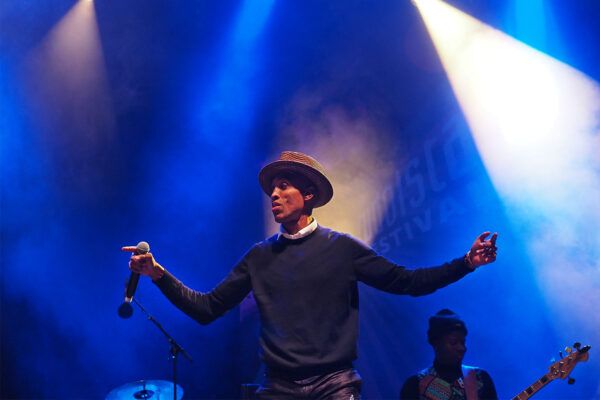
<point>145,390</point>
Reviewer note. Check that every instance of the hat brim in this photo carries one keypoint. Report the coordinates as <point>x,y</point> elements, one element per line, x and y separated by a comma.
<point>270,171</point>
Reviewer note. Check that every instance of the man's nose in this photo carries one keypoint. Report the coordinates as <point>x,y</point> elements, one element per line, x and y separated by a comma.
<point>275,193</point>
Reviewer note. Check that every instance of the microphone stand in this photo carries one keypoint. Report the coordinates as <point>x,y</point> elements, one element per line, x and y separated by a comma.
<point>173,352</point>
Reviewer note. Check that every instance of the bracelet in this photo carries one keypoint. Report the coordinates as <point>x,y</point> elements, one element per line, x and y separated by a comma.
<point>468,260</point>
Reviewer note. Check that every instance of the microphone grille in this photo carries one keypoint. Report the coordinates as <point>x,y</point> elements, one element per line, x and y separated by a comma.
<point>142,248</point>
<point>125,310</point>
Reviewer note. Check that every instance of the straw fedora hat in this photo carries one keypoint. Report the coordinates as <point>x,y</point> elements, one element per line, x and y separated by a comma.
<point>301,164</point>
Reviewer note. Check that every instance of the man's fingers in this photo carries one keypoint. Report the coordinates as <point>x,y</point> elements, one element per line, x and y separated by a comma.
<point>482,237</point>
<point>141,258</point>
<point>493,239</point>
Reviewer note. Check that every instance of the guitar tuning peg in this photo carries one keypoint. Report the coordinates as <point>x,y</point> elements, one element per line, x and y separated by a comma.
<point>577,345</point>
<point>568,350</point>
<point>570,381</point>
<point>560,354</point>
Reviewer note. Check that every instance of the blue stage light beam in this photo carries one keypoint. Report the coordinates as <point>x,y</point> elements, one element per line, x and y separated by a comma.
<point>226,105</point>
<point>530,19</point>
<point>535,122</point>
<point>218,113</point>
<point>221,108</point>
<point>251,21</point>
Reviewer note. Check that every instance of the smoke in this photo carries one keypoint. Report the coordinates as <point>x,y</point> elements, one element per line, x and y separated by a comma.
<point>353,147</point>
<point>535,121</point>
<point>70,103</point>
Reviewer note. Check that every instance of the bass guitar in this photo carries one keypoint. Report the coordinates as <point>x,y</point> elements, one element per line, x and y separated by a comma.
<point>560,369</point>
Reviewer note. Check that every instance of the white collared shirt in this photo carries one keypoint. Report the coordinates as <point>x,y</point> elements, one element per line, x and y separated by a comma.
<point>307,230</point>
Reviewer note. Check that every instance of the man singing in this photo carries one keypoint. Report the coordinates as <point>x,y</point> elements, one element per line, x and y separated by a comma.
<point>305,282</point>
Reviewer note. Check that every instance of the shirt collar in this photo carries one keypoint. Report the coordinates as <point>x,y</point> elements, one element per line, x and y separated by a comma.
<point>307,230</point>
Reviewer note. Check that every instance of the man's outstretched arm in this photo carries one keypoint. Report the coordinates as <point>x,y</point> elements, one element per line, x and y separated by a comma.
<point>202,307</point>
<point>377,271</point>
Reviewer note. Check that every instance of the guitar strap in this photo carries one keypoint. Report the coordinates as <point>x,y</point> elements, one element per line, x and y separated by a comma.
<point>424,383</point>
<point>428,390</point>
<point>424,386</point>
<point>471,385</point>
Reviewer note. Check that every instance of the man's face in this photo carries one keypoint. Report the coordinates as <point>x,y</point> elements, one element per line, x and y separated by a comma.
<point>287,201</point>
<point>450,348</point>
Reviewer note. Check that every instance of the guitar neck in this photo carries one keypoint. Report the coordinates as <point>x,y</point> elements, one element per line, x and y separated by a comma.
<point>533,389</point>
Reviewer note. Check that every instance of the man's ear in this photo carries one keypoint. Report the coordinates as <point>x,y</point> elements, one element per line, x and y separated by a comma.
<point>309,193</point>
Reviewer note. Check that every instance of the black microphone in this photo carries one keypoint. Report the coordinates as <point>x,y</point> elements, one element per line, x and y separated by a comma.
<point>125,310</point>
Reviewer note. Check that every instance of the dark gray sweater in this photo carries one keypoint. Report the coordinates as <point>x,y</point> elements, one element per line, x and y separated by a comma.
<point>307,296</point>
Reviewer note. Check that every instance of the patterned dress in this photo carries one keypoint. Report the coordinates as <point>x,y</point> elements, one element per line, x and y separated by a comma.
<point>465,383</point>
